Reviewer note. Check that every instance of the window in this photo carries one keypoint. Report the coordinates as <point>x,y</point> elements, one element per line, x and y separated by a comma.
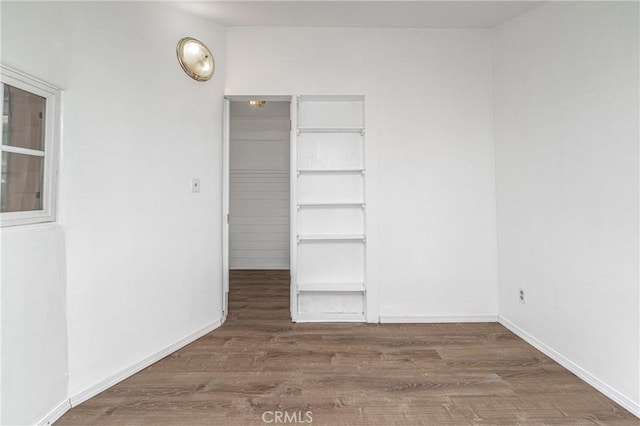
<point>30,112</point>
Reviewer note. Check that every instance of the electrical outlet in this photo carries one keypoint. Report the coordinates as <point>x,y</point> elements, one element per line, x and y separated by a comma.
<point>195,185</point>
<point>521,296</point>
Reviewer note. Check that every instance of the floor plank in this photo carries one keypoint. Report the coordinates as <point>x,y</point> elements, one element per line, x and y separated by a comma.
<point>347,374</point>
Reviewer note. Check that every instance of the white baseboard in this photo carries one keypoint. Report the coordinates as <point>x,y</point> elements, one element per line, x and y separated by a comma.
<point>592,380</point>
<point>55,414</point>
<point>427,319</point>
<point>130,371</point>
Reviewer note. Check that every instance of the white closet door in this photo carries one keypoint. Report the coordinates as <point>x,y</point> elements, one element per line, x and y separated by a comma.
<point>330,211</point>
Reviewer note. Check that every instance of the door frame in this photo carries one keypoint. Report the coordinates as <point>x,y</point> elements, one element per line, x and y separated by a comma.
<point>226,124</point>
<point>226,169</point>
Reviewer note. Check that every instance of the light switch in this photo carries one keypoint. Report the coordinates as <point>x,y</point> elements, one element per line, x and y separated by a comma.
<point>195,185</point>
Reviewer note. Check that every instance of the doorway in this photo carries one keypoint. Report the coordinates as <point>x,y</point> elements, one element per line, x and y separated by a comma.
<point>257,180</point>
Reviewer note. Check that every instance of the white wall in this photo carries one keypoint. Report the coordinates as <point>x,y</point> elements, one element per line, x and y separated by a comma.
<point>143,252</point>
<point>566,128</point>
<point>34,326</point>
<point>430,177</point>
<point>259,191</point>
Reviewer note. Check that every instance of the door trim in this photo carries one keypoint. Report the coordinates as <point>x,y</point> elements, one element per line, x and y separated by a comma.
<point>226,192</point>
<point>226,124</point>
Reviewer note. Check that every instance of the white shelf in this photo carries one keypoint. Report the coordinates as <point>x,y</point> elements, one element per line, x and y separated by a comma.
<point>331,171</point>
<point>330,317</point>
<point>330,130</point>
<point>332,287</point>
<point>337,204</point>
<point>336,237</point>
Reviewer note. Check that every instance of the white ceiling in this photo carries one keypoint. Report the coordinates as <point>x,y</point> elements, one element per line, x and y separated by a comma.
<point>378,14</point>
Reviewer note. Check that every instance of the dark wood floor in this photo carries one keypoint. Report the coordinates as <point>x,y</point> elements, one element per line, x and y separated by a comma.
<point>347,374</point>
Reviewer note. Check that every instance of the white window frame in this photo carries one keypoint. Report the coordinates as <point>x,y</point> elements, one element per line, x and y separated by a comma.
<point>51,149</point>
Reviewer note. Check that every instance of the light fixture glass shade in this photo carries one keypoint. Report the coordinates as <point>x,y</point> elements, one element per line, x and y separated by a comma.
<point>195,59</point>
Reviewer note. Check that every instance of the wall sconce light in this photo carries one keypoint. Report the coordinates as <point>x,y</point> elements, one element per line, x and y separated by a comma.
<point>257,104</point>
<point>195,59</point>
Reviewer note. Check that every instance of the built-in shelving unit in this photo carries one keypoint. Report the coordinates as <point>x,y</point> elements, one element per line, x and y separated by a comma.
<point>330,243</point>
